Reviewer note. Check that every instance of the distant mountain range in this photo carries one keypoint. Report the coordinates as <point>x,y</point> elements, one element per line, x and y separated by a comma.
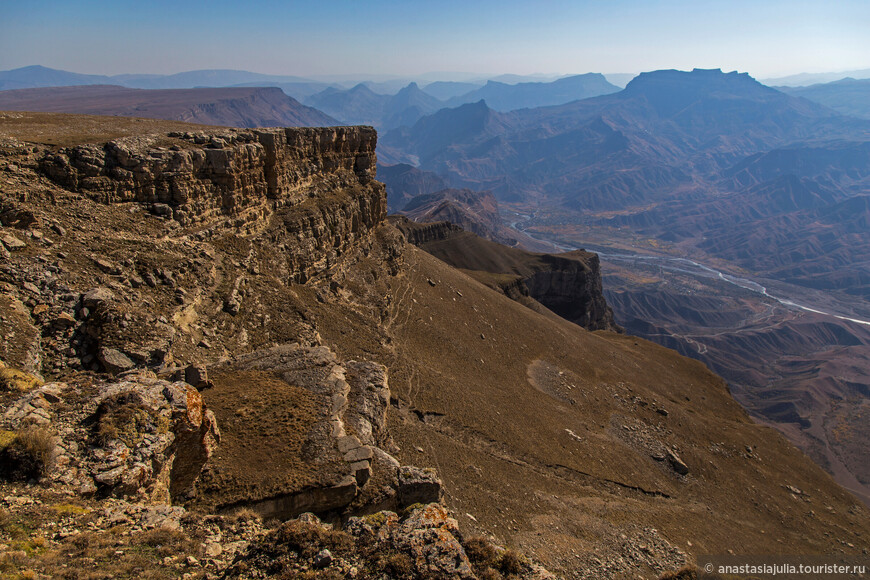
<point>361,106</point>
<point>385,104</point>
<point>610,151</point>
<point>687,168</point>
<point>442,86</point>
<point>39,76</point>
<point>848,96</point>
<point>234,107</point>
<point>807,79</point>
<point>506,97</point>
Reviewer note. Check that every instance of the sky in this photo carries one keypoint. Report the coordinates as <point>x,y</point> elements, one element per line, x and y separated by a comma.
<point>766,38</point>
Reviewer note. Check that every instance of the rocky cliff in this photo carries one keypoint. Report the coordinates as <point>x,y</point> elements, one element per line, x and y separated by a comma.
<point>240,179</point>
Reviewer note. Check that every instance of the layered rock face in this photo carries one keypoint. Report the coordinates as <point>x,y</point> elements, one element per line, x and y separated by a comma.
<point>570,286</point>
<point>239,179</point>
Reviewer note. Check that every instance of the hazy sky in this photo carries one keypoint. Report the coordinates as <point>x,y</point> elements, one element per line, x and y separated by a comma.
<point>764,38</point>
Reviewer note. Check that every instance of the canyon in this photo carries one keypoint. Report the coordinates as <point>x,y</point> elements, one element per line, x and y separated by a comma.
<point>700,167</point>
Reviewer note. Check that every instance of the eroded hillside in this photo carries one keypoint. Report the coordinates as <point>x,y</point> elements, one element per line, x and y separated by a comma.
<point>225,320</point>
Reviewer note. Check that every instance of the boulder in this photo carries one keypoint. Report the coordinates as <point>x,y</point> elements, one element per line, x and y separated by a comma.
<point>677,464</point>
<point>96,297</point>
<point>417,485</point>
<point>114,361</point>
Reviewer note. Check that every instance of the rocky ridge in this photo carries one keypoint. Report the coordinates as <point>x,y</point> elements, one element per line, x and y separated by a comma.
<point>474,211</point>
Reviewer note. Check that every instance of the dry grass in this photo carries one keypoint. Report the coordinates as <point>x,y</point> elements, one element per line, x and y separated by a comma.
<point>27,454</point>
<point>684,573</point>
<point>512,562</point>
<point>68,130</point>
<point>492,563</point>
<point>16,381</point>
<point>121,416</point>
<point>242,515</point>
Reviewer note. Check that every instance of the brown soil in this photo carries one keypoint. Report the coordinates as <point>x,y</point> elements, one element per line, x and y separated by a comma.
<point>265,425</point>
<point>67,130</point>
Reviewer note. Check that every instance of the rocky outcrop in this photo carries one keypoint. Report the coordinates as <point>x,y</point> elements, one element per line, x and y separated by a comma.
<point>473,211</point>
<point>420,234</point>
<point>237,173</point>
<point>424,543</point>
<point>141,437</point>
<point>404,182</point>
<point>318,181</point>
<point>345,442</point>
<point>568,284</point>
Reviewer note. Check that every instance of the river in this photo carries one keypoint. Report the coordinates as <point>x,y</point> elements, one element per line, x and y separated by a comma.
<point>685,266</point>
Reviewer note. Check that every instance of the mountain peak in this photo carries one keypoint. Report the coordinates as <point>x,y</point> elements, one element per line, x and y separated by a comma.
<point>361,88</point>
<point>671,91</point>
<point>698,78</point>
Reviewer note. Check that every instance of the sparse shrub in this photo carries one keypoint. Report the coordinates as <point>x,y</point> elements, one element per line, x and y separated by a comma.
<point>32,546</point>
<point>12,560</point>
<point>13,529</point>
<point>29,453</point>
<point>242,515</point>
<point>480,551</point>
<point>398,565</point>
<point>511,562</point>
<point>160,537</point>
<point>307,540</point>
<point>490,574</point>
<point>84,540</point>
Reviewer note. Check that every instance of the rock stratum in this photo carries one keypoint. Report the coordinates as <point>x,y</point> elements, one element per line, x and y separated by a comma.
<point>210,331</point>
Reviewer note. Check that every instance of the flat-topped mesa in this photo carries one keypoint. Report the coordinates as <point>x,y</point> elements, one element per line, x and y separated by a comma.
<point>239,176</point>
